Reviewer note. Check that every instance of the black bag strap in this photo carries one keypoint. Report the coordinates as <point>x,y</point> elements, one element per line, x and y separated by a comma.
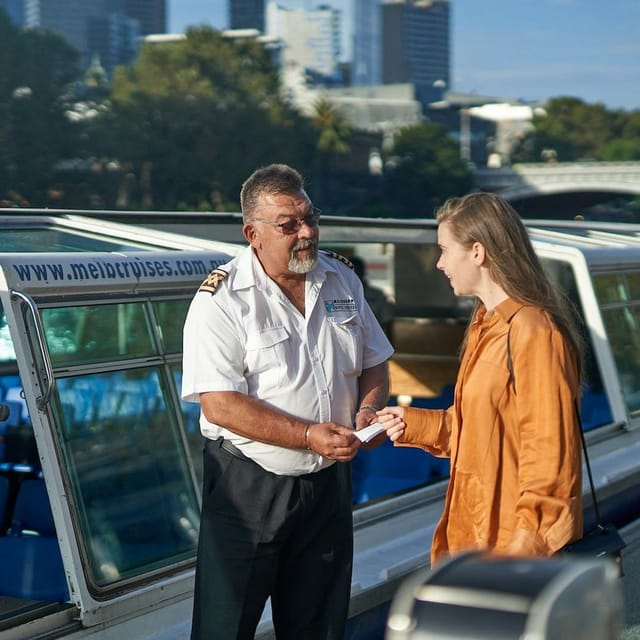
<point>512,378</point>
<point>588,465</point>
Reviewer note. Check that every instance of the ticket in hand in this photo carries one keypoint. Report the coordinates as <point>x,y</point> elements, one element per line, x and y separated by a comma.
<point>370,432</point>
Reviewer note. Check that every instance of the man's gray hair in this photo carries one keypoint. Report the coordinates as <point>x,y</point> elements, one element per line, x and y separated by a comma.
<point>273,179</point>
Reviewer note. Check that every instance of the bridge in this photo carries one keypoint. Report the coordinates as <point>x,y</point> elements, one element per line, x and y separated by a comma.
<point>523,181</point>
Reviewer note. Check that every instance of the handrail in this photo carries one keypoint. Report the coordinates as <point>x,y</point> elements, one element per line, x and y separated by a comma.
<point>42,400</point>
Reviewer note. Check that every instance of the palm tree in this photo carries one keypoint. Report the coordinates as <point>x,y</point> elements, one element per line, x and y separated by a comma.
<point>334,133</point>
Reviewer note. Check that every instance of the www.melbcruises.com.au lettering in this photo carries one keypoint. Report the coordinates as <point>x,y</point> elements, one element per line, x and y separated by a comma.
<point>109,270</point>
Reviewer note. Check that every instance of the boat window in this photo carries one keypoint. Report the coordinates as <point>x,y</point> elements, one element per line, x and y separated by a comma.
<point>611,288</point>
<point>119,423</point>
<point>170,316</point>
<point>426,330</point>
<point>18,455</point>
<point>619,296</point>
<point>595,410</point>
<point>428,326</point>
<point>7,352</point>
<point>119,426</point>
<point>122,445</point>
<point>191,421</point>
<point>623,327</point>
<point>32,239</point>
<point>633,284</point>
<point>97,333</point>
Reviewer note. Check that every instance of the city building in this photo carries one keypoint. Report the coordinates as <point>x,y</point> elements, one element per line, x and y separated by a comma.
<point>311,39</point>
<point>68,18</point>
<point>403,41</point>
<point>367,55</point>
<point>110,29</point>
<point>486,127</point>
<point>151,14</point>
<point>113,39</point>
<point>15,10</point>
<point>247,14</point>
<point>383,109</point>
<point>415,45</point>
<point>272,44</point>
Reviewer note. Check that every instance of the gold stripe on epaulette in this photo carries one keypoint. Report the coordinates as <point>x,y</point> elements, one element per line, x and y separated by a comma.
<point>210,285</point>
<point>338,256</point>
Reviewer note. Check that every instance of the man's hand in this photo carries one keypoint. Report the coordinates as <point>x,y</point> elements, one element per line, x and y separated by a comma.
<point>364,418</point>
<point>333,441</point>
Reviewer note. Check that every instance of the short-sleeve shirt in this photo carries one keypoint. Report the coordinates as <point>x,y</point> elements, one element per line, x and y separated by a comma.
<point>247,337</point>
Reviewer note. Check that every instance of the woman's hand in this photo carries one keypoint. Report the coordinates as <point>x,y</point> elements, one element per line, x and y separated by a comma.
<point>391,419</point>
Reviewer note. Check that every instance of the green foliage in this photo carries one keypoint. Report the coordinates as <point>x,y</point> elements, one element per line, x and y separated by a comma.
<point>626,147</point>
<point>193,118</point>
<point>187,122</point>
<point>425,170</point>
<point>621,150</point>
<point>334,130</point>
<point>36,68</point>
<point>575,130</point>
<point>333,136</point>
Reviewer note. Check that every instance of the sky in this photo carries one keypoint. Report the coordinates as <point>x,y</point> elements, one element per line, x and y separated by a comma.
<point>512,49</point>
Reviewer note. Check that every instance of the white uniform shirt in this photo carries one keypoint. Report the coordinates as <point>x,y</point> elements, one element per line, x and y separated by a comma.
<point>248,337</point>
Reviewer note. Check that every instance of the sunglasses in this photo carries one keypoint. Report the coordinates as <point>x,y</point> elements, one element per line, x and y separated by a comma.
<point>293,225</point>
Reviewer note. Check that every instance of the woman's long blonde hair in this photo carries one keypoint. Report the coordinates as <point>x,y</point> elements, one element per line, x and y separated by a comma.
<point>512,262</point>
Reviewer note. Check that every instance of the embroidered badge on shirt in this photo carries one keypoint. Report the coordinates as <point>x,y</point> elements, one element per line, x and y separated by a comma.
<point>210,285</point>
<point>336,306</point>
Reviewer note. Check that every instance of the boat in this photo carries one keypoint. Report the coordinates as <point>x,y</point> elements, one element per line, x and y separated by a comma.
<point>100,460</point>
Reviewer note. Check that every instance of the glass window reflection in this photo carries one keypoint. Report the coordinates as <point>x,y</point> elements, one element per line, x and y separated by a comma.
<point>191,420</point>
<point>97,333</point>
<point>623,329</point>
<point>134,492</point>
<point>610,288</point>
<point>633,285</point>
<point>7,352</point>
<point>170,315</point>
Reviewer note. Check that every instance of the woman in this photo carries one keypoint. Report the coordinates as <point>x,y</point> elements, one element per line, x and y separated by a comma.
<point>512,432</point>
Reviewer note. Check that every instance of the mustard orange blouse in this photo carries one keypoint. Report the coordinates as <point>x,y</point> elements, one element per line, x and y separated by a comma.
<point>516,471</point>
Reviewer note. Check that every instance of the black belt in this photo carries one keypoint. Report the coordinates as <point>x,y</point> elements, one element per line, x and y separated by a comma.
<point>231,448</point>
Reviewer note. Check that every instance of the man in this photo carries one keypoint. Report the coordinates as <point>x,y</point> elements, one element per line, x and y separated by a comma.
<point>283,353</point>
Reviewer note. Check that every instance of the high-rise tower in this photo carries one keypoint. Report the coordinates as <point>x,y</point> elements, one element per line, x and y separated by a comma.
<point>151,14</point>
<point>247,14</point>
<point>15,10</point>
<point>367,54</point>
<point>400,41</point>
<point>311,38</point>
<point>415,45</point>
<point>68,18</point>
<point>108,28</point>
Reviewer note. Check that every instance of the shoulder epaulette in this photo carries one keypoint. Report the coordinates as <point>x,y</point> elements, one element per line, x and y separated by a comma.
<point>210,285</point>
<point>337,256</point>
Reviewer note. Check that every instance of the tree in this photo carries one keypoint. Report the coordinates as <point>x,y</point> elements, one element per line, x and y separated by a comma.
<point>621,150</point>
<point>575,130</point>
<point>625,147</point>
<point>333,130</point>
<point>334,133</point>
<point>193,118</point>
<point>424,169</point>
<point>36,68</point>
